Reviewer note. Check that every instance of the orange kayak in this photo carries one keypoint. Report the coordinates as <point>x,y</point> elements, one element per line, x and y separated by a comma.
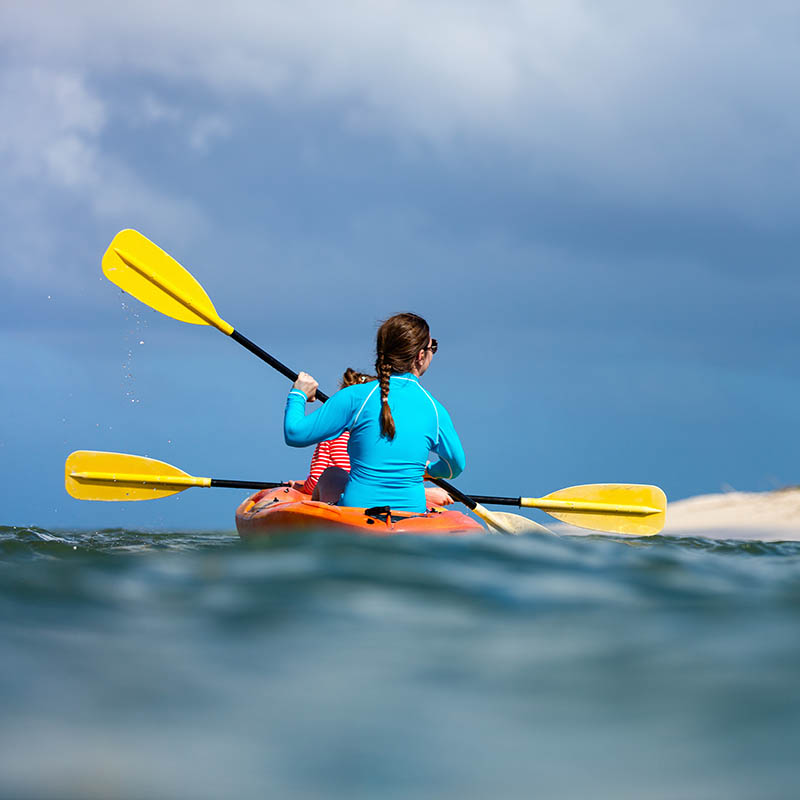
<point>279,510</point>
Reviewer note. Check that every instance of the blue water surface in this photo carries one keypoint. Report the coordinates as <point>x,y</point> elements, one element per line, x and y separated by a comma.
<point>190,665</point>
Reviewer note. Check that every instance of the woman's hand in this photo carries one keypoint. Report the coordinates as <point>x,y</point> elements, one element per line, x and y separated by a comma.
<point>306,384</point>
<point>434,496</point>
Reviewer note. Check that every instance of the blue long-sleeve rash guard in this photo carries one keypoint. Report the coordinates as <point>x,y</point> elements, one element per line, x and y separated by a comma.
<point>383,472</point>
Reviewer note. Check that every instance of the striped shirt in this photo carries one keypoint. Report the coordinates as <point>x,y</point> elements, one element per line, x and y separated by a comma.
<point>332,453</point>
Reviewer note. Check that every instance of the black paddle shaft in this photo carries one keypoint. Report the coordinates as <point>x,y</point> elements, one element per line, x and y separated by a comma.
<point>469,502</point>
<point>217,482</point>
<point>472,500</point>
<point>273,362</point>
<point>497,501</point>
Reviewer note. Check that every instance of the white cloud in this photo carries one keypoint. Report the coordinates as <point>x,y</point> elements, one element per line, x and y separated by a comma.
<point>199,129</point>
<point>206,129</point>
<point>53,124</point>
<point>51,149</point>
<point>153,110</point>
<point>662,103</point>
<point>49,119</point>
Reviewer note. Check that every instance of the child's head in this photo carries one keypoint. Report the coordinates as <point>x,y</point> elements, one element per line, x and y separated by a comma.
<point>351,377</point>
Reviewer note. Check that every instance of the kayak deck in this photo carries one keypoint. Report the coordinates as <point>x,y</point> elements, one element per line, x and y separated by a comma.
<point>282,510</point>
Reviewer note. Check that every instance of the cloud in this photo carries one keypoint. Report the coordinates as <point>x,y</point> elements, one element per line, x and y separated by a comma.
<point>673,104</point>
<point>200,130</point>
<point>55,168</point>
<point>153,110</point>
<point>53,131</point>
<point>576,126</point>
<point>50,123</point>
<point>206,130</point>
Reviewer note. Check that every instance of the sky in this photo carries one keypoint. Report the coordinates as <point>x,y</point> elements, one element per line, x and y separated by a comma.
<point>594,205</point>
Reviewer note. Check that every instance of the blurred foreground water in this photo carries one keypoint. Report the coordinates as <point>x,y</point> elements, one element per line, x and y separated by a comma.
<point>190,665</point>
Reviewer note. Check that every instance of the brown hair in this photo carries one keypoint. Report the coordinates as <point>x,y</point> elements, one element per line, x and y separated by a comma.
<point>351,378</point>
<point>400,338</point>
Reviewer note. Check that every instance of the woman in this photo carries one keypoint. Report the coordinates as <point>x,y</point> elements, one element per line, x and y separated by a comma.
<point>393,422</point>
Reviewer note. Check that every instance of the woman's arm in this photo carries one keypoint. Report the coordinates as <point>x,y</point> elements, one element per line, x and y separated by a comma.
<point>451,454</point>
<point>327,422</point>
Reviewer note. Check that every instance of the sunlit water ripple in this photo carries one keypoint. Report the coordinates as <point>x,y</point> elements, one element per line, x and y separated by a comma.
<point>138,664</point>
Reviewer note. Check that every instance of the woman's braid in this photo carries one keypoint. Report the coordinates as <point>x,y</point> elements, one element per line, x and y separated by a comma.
<point>387,420</point>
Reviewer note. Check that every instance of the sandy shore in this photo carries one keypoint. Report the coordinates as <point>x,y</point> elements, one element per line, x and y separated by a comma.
<point>738,515</point>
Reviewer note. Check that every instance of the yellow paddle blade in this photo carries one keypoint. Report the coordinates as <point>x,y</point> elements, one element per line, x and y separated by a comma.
<point>504,522</point>
<point>94,475</point>
<point>144,270</point>
<point>629,508</point>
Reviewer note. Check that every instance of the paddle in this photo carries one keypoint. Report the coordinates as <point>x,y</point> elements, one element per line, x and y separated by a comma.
<point>143,270</point>
<point>94,475</point>
<point>619,507</point>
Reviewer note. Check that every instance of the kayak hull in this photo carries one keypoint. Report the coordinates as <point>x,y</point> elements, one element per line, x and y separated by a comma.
<point>274,511</point>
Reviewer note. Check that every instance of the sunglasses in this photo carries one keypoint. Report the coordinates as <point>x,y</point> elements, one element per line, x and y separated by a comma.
<point>433,346</point>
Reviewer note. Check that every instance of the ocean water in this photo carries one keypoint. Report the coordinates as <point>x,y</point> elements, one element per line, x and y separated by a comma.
<point>191,665</point>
